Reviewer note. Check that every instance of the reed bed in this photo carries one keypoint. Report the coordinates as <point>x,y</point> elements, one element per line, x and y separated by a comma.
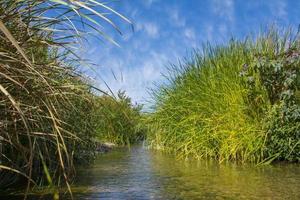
<point>46,105</point>
<point>117,120</point>
<point>220,103</point>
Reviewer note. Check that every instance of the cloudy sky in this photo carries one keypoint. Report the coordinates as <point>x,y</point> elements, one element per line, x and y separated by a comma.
<point>166,31</point>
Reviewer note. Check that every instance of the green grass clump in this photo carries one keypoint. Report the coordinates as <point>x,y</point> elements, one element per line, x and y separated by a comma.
<point>217,105</point>
<point>117,120</point>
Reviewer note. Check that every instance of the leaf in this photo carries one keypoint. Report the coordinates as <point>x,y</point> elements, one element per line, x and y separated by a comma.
<point>11,38</point>
<point>16,171</point>
<point>112,10</point>
<point>98,14</point>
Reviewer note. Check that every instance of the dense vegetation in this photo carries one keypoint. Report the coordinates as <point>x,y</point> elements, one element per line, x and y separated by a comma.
<point>234,102</point>
<point>117,120</point>
<point>47,108</point>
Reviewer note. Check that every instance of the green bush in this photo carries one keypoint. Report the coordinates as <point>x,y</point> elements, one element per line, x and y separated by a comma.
<point>279,74</point>
<point>283,133</point>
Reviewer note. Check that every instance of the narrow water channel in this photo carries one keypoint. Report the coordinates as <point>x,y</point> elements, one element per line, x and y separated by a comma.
<point>138,173</point>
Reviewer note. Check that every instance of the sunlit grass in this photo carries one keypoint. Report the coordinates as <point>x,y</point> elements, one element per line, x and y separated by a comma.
<point>208,110</point>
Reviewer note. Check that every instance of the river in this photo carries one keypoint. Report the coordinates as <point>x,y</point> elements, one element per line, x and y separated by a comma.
<point>139,173</point>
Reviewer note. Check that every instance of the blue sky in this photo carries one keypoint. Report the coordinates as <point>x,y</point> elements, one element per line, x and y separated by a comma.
<point>168,30</point>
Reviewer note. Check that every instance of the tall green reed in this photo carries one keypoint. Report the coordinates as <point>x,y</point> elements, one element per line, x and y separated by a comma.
<point>207,109</point>
<point>44,102</point>
<point>117,120</point>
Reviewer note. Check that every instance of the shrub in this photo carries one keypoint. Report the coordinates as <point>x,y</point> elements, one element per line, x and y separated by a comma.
<point>278,73</point>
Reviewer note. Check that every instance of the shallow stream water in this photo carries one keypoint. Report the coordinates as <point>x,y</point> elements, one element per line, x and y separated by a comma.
<point>138,173</point>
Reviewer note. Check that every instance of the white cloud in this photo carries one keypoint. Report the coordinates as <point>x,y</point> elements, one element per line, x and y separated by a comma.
<point>175,17</point>
<point>150,73</point>
<point>148,3</point>
<point>189,33</point>
<point>225,9</point>
<point>190,38</point>
<point>150,28</point>
<point>133,77</point>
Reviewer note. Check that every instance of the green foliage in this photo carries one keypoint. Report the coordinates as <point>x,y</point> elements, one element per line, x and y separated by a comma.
<point>283,133</point>
<point>279,74</point>
<point>117,120</point>
<point>233,102</point>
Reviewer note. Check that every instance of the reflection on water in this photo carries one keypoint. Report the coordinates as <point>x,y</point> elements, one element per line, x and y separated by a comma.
<point>144,174</point>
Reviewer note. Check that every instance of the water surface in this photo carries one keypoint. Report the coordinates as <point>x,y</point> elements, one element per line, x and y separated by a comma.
<point>139,173</point>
